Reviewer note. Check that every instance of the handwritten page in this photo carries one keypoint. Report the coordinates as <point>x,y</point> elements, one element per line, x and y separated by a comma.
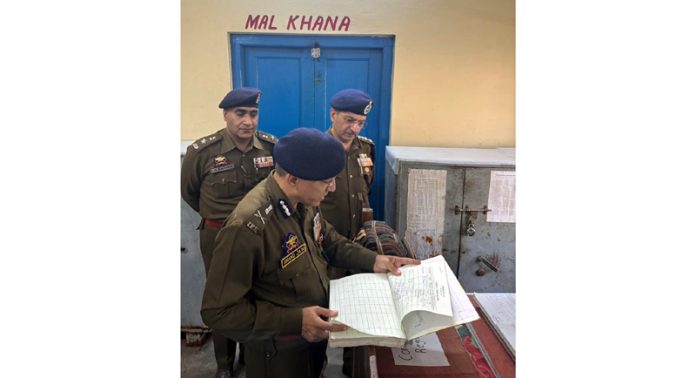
<point>501,197</point>
<point>422,287</point>
<point>462,309</point>
<point>499,308</point>
<point>421,351</point>
<point>364,302</point>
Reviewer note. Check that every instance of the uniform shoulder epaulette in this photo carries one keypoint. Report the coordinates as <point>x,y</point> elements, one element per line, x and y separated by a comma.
<point>366,140</point>
<point>206,141</point>
<point>270,138</point>
<point>259,218</point>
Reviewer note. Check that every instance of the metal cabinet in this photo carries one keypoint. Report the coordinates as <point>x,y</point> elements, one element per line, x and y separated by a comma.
<point>458,202</point>
<point>192,272</point>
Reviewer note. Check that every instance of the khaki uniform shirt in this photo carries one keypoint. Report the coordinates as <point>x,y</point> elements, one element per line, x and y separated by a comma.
<point>215,174</point>
<point>270,261</point>
<point>343,207</point>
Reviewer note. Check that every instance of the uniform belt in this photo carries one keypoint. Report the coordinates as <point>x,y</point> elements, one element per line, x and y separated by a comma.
<point>288,337</point>
<point>213,223</point>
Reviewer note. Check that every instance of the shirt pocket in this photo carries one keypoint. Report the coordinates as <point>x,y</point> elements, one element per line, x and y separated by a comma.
<point>298,277</point>
<point>225,184</point>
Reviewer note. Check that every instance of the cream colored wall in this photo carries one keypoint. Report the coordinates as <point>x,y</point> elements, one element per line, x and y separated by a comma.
<point>454,63</point>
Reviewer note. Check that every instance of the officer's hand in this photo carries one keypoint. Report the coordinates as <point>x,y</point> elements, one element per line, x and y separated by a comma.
<point>391,264</point>
<point>314,328</point>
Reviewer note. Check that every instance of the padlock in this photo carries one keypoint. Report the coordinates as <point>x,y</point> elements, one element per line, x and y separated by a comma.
<point>470,230</point>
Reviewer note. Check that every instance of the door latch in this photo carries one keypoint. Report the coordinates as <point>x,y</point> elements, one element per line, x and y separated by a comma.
<point>316,51</point>
<point>491,262</point>
<point>458,210</point>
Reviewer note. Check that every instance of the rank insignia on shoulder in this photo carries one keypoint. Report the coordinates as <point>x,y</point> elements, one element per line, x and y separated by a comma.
<point>365,139</point>
<point>266,136</point>
<point>269,209</point>
<point>195,146</point>
<point>284,206</point>
<point>292,249</point>
<point>258,215</point>
<point>364,160</point>
<point>263,161</point>
<point>253,227</point>
<point>220,163</point>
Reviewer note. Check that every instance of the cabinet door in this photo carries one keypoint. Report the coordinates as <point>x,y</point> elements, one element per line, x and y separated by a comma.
<point>493,241</point>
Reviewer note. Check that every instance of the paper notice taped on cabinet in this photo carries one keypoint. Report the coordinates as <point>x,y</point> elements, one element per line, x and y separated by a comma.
<point>425,211</point>
<point>501,197</point>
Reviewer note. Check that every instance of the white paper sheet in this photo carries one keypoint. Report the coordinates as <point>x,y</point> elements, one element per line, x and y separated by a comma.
<point>421,351</point>
<point>425,211</point>
<point>500,311</point>
<point>501,197</point>
<point>462,309</point>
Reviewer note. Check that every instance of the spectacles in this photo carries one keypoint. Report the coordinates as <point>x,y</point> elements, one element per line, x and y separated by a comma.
<point>352,121</point>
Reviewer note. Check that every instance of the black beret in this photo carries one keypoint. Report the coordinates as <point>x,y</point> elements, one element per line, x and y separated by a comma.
<point>310,154</point>
<point>241,97</point>
<point>352,100</point>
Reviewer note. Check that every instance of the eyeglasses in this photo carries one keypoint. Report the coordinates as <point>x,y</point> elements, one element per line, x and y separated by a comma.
<point>352,121</point>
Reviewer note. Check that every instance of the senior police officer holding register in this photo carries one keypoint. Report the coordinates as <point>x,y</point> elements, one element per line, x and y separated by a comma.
<point>217,171</point>
<point>268,285</point>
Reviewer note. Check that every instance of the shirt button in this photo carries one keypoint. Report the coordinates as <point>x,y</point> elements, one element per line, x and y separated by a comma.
<point>268,355</point>
<point>352,195</point>
<point>351,176</point>
<point>353,215</point>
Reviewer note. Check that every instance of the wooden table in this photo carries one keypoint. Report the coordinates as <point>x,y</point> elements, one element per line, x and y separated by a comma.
<point>371,361</point>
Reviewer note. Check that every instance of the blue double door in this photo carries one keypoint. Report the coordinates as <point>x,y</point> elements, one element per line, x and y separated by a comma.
<point>298,75</point>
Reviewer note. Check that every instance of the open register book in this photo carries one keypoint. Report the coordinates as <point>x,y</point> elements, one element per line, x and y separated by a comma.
<point>387,310</point>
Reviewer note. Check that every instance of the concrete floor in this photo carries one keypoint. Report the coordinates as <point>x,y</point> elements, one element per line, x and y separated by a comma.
<point>198,362</point>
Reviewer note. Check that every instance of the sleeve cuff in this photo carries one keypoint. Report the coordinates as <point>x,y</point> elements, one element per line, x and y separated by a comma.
<point>291,321</point>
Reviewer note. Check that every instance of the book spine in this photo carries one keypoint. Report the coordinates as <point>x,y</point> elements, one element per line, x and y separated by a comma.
<point>474,347</point>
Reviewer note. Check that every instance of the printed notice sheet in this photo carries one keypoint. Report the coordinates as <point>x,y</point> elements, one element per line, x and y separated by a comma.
<point>421,351</point>
<point>425,211</point>
<point>501,197</point>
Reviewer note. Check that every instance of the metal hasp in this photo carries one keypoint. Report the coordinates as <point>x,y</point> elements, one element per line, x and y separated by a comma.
<point>315,51</point>
<point>492,262</point>
<point>458,210</point>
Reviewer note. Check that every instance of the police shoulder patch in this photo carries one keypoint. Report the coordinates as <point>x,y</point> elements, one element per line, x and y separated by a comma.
<point>270,138</point>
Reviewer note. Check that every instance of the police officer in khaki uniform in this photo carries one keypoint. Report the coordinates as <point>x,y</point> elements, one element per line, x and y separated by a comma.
<point>268,285</point>
<point>217,171</point>
<point>343,207</point>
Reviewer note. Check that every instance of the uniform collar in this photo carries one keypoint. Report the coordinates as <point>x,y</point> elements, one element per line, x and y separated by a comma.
<point>228,142</point>
<point>276,195</point>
